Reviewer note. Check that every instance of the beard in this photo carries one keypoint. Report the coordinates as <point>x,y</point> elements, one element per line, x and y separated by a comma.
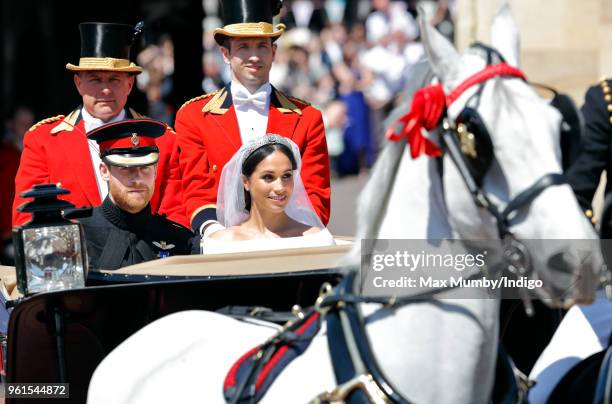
<point>131,202</point>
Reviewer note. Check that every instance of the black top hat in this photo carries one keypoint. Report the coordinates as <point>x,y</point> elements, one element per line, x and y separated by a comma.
<point>249,18</point>
<point>129,143</point>
<point>106,46</point>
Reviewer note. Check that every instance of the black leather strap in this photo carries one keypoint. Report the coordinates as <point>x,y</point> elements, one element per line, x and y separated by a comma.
<point>527,196</point>
<point>480,199</point>
<point>259,312</point>
<point>246,391</point>
<point>449,138</point>
<point>350,348</point>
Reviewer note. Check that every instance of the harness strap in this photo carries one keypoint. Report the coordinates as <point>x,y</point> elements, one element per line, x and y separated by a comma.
<point>498,69</point>
<point>254,372</point>
<point>479,197</point>
<point>262,313</point>
<point>359,378</point>
<point>343,358</point>
<point>352,357</point>
<point>528,195</point>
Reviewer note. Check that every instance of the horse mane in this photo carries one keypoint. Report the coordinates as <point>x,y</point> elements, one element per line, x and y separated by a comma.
<point>370,204</point>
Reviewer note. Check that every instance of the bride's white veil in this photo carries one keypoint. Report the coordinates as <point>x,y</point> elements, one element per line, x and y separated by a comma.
<point>231,206</point>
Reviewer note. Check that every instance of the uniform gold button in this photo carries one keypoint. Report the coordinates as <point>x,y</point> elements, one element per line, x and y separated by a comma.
<point>589,213</point>
<point>608,97</point>
<point>611,119</point>
<point>59,184</point>
<point>215,168</point>
<point>609,108</point>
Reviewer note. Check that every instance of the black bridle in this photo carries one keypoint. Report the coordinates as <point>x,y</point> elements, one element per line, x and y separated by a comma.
<point>517,259</point>
<point>449,136</point>
<point>520,201</point>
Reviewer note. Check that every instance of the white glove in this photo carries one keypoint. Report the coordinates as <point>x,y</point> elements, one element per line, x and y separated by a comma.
<point>208,228</point>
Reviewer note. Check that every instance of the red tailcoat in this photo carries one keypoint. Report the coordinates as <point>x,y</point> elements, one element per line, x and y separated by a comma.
<point>56,151</point>
<point>208,136</point>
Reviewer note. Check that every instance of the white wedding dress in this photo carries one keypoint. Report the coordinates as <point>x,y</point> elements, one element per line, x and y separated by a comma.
<point>320,239</point>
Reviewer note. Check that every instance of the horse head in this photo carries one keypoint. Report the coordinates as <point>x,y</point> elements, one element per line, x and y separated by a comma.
<point>523,131</point>
<point>509,137</point>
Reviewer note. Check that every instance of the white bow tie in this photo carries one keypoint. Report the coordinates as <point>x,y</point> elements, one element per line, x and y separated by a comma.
<point>243,99</point>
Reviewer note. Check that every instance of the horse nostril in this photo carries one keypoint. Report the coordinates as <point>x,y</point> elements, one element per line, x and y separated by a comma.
<point>562,261</point>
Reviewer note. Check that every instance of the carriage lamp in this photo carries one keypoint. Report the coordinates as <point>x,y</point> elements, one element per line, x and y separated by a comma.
<point>50,252</point>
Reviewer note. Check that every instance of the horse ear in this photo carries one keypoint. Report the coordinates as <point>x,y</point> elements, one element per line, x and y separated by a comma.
<point>443,56</point>
<point>505,35</point>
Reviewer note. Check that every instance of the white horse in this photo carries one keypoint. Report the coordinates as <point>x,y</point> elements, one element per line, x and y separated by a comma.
<point>436,351</point>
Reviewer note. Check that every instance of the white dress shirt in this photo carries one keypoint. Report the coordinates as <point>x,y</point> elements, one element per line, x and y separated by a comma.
<point>251,109</point>
<point>92,123</point>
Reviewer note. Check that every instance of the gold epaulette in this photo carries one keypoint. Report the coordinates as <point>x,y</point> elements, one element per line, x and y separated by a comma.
<point>215,104</point>
<point>198,98</point>
<point>286,105</point>
<point>46,120</point>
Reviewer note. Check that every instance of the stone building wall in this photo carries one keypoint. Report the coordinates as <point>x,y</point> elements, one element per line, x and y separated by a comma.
<point>564,43</point>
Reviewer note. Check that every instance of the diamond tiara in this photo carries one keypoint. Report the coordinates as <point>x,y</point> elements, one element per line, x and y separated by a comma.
<point>265,140</point>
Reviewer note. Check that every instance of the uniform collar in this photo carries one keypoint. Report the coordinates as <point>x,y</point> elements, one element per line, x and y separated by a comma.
<point>69,122</point>
<point>222,100</point>
<point>125,220</point>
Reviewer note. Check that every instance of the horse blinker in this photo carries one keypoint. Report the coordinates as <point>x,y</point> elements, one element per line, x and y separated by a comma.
<point>475,142</point>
